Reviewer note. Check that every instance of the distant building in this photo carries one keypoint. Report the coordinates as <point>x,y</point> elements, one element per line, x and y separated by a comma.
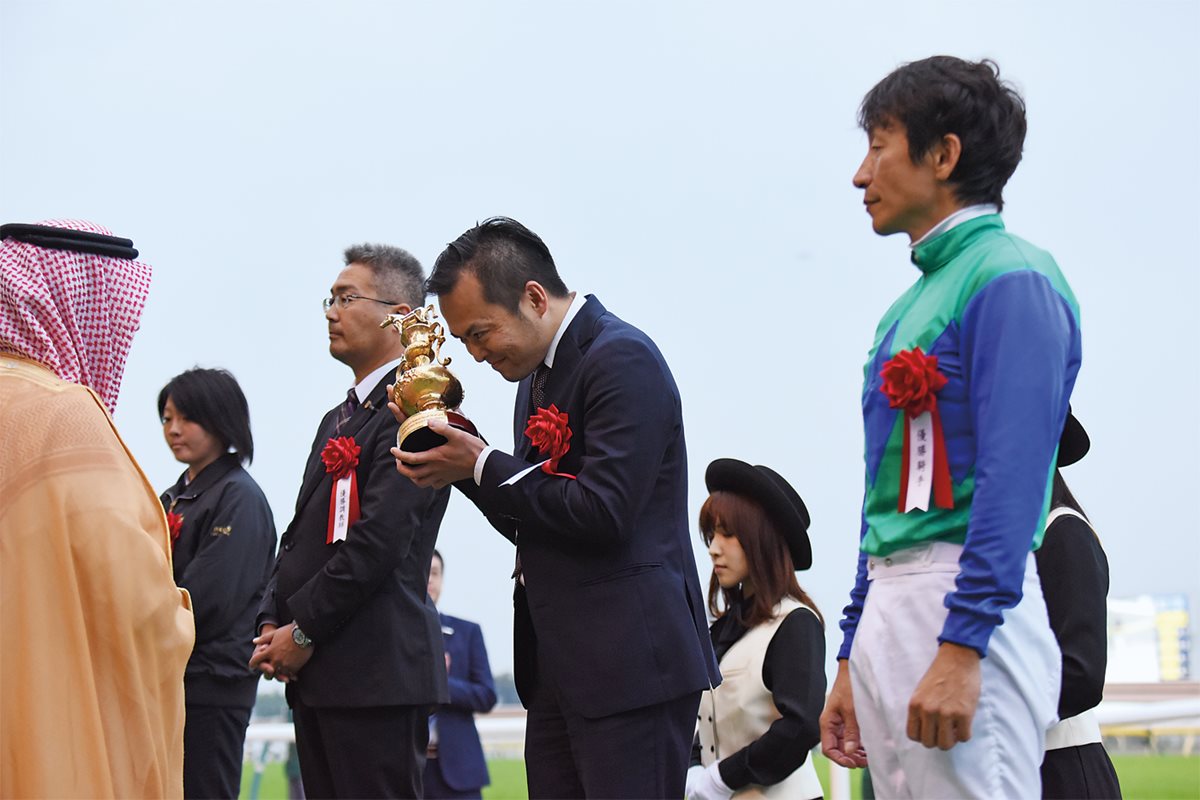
<point>1148,638</point>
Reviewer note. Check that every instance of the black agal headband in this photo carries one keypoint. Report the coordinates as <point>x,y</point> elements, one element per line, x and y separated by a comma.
<point>69,239</point>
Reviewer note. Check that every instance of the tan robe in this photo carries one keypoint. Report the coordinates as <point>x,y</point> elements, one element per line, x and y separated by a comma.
<point>94,634</point>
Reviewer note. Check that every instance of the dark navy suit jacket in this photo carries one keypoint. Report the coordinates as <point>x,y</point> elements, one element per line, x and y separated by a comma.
<point>611,597</point>
<point>460,754</point>
<point>363,600</point>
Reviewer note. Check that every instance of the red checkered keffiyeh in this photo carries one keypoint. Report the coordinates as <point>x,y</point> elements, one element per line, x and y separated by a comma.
<point>76,313</point>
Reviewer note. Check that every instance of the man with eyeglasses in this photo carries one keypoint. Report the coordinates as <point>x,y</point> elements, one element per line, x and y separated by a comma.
<point>344,620</point>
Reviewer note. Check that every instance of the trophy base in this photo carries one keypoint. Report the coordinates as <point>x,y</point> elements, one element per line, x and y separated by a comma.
<point>414,435</point>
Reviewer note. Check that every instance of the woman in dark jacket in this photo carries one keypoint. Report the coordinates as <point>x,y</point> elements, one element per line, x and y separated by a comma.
<point>1074,576</point>
<point>223,546</point>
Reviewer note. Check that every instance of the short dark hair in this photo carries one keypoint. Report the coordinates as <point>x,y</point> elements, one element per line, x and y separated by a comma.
<point>212,399</point>
<point>438,556</point>
<point>767,558</point>
<point>503,255</point>
<point>944,94</point>
<point>398,274</point>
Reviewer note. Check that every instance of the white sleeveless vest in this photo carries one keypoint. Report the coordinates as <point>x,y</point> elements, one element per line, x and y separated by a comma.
<point>740,710</point>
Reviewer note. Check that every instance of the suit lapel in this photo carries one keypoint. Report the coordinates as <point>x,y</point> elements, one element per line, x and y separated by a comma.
<point>375,403</point>
<point>314,470</point>
<point>567,358</point>
<point>521,413</point>
<point>574,343</point>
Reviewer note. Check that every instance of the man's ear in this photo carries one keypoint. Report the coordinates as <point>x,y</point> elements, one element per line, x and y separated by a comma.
<point>946,154</point>
<point>402,309</point>
<point>538,297</point>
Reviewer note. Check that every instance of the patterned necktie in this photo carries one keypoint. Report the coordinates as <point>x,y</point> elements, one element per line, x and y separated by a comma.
<point>537,391</point>
<point>347,409</point>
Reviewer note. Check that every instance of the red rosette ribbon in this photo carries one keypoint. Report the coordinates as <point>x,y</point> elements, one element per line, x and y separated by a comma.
<point>548,431</point>
<point>341,458</point>
<point>911,380</point>
<point>174,525</point>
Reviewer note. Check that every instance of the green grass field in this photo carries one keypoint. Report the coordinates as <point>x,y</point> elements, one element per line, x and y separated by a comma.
<point>1142,778</point>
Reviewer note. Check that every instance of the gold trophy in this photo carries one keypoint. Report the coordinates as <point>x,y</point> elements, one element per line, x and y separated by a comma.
<point>424,389</point>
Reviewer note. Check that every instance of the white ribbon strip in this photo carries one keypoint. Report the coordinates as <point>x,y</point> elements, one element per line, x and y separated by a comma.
<point>523,473</point>
<point>1074,731</point>
<point>920,462</point>
<point>341,510</point>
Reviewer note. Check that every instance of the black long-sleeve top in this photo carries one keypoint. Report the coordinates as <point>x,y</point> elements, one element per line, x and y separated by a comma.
<point>1074,575</point>
<point>794,674</point>
<point>222,556</point>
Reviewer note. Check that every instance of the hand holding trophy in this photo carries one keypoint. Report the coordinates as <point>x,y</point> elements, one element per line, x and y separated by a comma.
<point>424,389</point>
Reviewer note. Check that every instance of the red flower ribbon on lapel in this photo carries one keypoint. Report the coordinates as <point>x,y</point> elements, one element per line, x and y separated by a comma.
<point>174,525</point>
<point>547,430</point>
<point>341,457</point>
<point>910,382</point>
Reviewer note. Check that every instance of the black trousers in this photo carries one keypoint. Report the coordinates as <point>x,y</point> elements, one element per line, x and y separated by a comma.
<point>643,753</point>
<point>1085,771</point>
<point>213,737</point>
<point>378,751</point>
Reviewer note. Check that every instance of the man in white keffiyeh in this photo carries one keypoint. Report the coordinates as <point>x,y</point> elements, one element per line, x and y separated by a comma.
<point>97,635</point>
<point>74,312</point>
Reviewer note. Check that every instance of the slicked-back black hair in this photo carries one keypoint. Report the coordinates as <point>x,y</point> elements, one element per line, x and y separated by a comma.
<point>503,255</point>
<point>944,94</point>
<point>213,400</point>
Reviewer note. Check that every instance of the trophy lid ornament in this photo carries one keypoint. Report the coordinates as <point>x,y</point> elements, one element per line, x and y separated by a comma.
<point>424,388</point>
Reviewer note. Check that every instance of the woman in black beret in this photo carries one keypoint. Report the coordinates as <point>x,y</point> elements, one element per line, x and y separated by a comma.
<point>756,729</point>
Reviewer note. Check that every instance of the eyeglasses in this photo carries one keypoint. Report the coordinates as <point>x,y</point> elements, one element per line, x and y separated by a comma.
<point>343,300</point>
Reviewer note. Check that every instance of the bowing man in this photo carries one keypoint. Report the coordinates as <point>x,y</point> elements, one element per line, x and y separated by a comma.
<point>611,647</point>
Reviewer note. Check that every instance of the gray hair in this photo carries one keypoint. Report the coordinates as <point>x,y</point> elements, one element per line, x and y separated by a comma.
<point>398,275</point>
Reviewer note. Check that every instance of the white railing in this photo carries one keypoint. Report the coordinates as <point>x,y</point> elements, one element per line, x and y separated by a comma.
<point>502,731</point>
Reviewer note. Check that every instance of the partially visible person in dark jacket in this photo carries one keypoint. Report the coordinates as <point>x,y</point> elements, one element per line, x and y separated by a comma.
<point>223,543</point>
<point>455,767</point>
<point>1074,575</point>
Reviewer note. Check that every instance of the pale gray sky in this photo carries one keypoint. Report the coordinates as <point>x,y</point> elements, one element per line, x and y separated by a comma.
<point>688,162</point>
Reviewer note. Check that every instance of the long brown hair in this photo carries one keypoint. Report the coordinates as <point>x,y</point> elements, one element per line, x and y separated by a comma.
<point>767,559</point>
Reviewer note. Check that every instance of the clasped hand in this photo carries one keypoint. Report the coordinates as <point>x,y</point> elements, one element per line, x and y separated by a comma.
<point>276,654</point>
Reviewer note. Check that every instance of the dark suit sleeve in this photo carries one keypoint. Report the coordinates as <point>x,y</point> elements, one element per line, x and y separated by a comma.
<point>505,524</point>
<point>632,416</point>
<point>475,691</point>
<point>268,609</point>
<point>1074,575</point>
<point>794,673</point>
<point>392,512</point>
<point>227,570</point>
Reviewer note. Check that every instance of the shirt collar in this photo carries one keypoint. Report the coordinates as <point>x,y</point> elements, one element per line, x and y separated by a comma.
<point>576,304</point>
<point>363,388</point>
<point>957,218</point>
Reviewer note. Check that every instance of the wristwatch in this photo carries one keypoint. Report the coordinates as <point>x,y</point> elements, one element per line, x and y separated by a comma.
<point>300,637</point>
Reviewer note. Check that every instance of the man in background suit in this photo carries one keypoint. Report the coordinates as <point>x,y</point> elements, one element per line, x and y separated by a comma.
<point>344,619</point>
<point>611,645</point>
<point>456,767</point>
